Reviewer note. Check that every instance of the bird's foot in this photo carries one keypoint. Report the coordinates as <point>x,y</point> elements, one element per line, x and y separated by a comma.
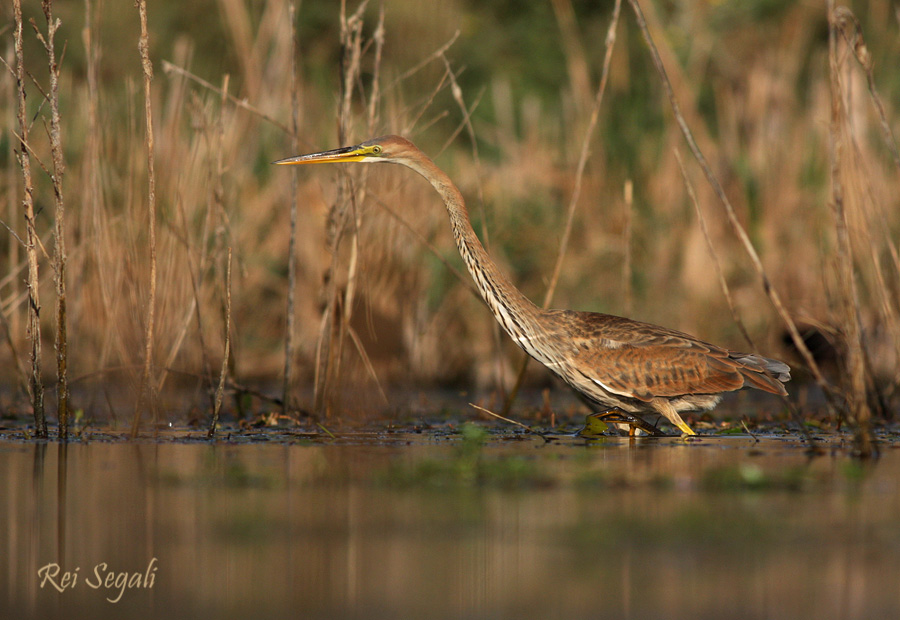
<point>618,417</point>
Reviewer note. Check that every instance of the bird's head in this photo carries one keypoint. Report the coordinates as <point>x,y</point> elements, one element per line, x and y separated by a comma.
<point>391,149</point>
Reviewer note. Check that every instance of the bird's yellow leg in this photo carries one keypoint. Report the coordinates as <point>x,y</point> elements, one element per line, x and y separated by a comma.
<point>675,419</point>
<point>665,407</point>
<point>685,429</point>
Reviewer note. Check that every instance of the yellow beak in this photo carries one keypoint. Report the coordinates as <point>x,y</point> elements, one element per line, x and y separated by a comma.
<point>344,154</point>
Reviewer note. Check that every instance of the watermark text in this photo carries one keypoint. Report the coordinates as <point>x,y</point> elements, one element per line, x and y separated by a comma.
<point>101,577</point>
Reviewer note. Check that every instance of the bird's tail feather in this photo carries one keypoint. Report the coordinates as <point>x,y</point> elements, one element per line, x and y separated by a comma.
<point>764,373</point>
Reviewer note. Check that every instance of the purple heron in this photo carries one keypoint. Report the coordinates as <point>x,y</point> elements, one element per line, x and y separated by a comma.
<point>628,367</point>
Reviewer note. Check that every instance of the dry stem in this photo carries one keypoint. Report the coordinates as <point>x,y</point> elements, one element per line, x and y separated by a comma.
<point>168,67</point>
<point>31,237</point>
<point>726,291</point>
<point>770,291</point>
<point>292,243</point>
<point>720,273</point>
<point>220,390</point>
<point>846,23</point>
<point>849,297</point>
<point>62,385</point>
<point>344,218</point>
<point>511,421</point>
<point>147,393</point>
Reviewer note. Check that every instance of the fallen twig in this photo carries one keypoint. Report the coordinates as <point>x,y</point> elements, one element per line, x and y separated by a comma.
<point>519,424</point>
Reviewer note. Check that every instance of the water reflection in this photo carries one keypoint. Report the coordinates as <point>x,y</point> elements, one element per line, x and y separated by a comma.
<point>725,528</point>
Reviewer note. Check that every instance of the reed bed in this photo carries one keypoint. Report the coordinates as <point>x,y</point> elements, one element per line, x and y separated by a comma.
<point>342,284</point>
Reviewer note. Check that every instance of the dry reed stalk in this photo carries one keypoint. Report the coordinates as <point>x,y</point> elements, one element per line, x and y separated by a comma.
<point>214,135</point>
<point>354,38</point>
<point>59,255</point>
<point>21,373</point>
<point>850,29</point>
<point>849,309</point>
<point>875,222</point>
<point>726,292</point>
<point>464,280</point>
<point>146,394</point>
<point>289,336</point>
<point>238,26</point>
<point>325,343</point>
<point>576,60</point>
<point>220,390</point>
<point>332,332</point>
<point>10,324</point>
<point>168,68</point>
<point>627,241</point>
<point>584,156</point>
<point>373,108</point>
<point>438,53</point>
<point>93,225</point>
<point>576,190</point>
<point>375,96</point>
<point>736,226</point>
<point>887,295</point>
<point>196,268</point>
<point>511,421</point>
<point>467,113</point>
<point>31,237</point>
<point>411,123</point>
<point>466,123</point>
<point>9,93</point>
<point>720,273</point>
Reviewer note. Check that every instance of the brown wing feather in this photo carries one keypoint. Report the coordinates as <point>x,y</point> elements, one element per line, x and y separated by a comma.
<point>644,361</point>
<point>645,372</point>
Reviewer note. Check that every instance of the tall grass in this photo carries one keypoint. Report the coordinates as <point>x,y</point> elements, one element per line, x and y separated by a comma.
<point>374,303</point>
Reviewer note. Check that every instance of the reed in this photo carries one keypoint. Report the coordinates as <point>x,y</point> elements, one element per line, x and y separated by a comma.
<point>738,228</point>
<point>59,231</point>
<point>287,385</point>
<point>10,324</point>
<point>844,23</point>
<point>147,391</point>
<point>226,353</point>
<point>345,219</point>
<point>729,298</point>
<point>848,301</point>
<point>359,297</point>
<point>31,238</point>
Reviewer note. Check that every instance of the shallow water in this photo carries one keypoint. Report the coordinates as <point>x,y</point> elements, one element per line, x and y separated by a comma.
<point>405,524</point>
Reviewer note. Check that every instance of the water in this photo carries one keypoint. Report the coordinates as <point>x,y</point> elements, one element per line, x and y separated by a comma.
<point>408,525</point>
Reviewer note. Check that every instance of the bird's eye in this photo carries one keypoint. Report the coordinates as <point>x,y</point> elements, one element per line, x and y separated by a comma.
<point>376,150</point>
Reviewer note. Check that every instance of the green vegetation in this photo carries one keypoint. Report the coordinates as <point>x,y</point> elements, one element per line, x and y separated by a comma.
<point>472,464</point>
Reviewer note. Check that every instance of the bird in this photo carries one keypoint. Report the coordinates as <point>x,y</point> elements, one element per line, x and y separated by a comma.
<point>627,368</point>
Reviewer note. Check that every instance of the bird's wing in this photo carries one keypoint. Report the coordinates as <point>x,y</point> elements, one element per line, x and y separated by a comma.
<point>643,361</point>
<point>645,372</point>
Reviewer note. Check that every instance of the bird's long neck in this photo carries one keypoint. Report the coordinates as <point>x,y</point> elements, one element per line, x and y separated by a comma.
<point>515,312</point>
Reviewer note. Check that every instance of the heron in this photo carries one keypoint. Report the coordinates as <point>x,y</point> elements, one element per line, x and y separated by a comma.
<point>627,368</point>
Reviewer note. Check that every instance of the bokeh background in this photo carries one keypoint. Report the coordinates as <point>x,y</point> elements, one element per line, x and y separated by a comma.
<point>504,110</point>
